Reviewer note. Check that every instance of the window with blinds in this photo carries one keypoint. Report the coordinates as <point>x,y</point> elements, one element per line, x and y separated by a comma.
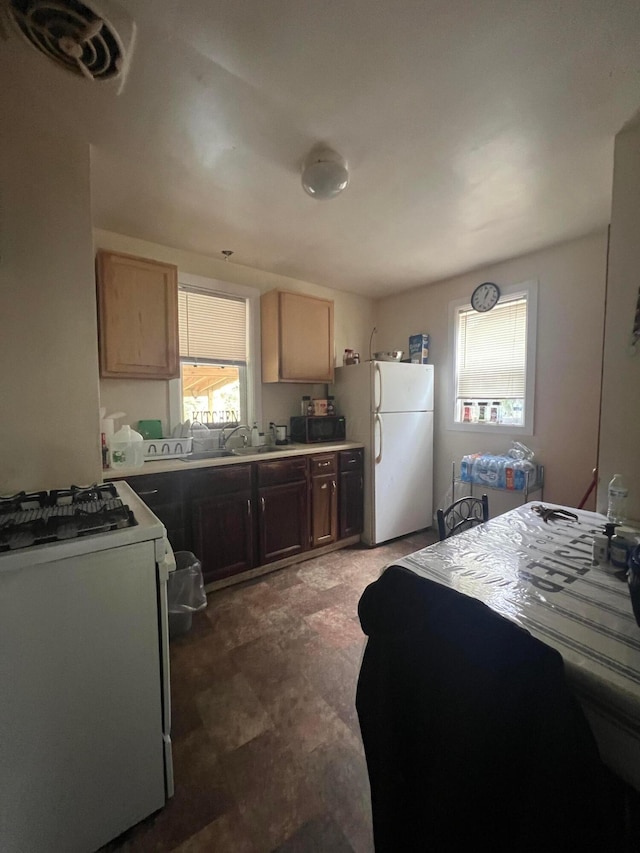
<point>491,363</point>
<point>212,327</point>
<point>212,330</point>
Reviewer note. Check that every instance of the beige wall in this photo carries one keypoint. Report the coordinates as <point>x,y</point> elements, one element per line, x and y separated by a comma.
<point>149,399</point>
<point>620,426</point>
<point>48,351</point>
<point>571,280</point>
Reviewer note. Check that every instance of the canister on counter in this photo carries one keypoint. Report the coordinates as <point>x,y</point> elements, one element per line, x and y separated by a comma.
<point>619,551</point>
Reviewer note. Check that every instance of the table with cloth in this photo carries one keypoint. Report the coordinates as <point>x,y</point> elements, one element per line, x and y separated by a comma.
<point>496,632</point>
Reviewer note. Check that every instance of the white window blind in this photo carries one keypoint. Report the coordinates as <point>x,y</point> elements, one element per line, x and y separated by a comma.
<point>492,352</point>
<point>212,327</point>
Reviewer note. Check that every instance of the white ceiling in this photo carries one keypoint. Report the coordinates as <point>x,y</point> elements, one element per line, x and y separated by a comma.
<point>474,131</point>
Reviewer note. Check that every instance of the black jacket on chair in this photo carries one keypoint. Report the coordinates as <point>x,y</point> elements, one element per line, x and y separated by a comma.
<point>471,734</point>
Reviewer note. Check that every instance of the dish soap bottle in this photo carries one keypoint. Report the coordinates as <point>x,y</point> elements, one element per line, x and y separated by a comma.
<point>255,435</point>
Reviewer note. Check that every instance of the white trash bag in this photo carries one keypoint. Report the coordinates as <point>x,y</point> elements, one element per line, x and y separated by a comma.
<point>185,592</point>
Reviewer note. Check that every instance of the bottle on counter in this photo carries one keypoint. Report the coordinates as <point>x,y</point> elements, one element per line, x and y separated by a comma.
<point>600,550</point>
<point>347,358</point>
<point>304,405</point>
<point>126,448</point>
<point>617,500</point>
<point>331,406</point>
<point>105,451</point>
<point>255,435</point>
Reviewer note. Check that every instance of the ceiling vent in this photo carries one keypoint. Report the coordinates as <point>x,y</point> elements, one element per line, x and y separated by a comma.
<point>94,40</point>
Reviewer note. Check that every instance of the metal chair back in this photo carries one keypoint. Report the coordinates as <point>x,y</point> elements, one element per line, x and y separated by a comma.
<point>461,515</point>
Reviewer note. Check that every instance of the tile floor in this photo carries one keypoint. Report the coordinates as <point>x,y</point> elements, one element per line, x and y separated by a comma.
<point>266,743</point>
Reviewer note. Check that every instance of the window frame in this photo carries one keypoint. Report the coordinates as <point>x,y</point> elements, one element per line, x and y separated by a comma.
<point>253,368</point>
<point>529,290</point>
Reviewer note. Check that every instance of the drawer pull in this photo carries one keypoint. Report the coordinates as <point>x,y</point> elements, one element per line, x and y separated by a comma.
<point>323,464</point>
<point>146,494</point>
<point>352,461</point>
<point>323,486</point>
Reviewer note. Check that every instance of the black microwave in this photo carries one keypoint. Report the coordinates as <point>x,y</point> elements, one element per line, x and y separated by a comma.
<point>309,429</point>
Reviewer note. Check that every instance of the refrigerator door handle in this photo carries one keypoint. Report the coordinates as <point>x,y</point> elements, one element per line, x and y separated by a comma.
<point>379,422</point>
<point>377,405</point>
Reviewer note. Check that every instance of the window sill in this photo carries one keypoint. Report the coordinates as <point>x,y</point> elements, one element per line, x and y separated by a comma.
<point>491,429</point>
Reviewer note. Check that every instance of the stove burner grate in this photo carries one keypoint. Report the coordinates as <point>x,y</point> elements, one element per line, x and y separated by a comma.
<point>41,518</point>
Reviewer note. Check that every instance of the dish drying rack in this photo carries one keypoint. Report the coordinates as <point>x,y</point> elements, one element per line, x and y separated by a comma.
<point>167,448</point>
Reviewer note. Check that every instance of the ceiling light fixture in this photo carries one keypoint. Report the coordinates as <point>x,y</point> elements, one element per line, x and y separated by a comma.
<point>324,173</point>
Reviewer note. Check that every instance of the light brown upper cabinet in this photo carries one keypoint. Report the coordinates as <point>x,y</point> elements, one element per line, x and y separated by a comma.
<point>297,337</point>
<point>137,317</point>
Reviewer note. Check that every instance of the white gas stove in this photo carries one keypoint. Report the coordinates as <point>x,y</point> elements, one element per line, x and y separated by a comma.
<point>84,667</point>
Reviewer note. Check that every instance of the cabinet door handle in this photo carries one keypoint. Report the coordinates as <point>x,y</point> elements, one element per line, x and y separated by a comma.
<point>248,508</point>
<point>362,482</point>
<point>146,494</point>
<point>333,486</point>
<point>323,486</point>
<point>262,505</point>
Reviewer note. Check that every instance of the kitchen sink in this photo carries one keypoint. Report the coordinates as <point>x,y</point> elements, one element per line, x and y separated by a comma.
<point>251,451</point>
<point>207,454</point>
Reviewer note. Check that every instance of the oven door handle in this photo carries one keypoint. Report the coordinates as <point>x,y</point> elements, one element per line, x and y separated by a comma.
<point>165,566</point>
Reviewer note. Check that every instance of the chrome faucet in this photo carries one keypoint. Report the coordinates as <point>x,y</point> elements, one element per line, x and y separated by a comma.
<point>222,439</point>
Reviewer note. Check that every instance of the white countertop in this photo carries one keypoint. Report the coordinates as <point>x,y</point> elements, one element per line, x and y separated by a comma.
<point>160,466</point>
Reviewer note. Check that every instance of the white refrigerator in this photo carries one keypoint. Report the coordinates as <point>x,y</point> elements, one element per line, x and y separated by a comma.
<point>388,407</point>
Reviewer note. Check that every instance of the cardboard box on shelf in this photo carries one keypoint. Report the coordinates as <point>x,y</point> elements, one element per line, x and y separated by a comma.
<point>419,349</point>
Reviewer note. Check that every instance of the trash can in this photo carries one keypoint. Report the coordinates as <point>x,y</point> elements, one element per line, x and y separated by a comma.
<point>185,592</point>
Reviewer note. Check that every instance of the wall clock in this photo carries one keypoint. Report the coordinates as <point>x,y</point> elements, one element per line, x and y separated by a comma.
<point>485,296</point>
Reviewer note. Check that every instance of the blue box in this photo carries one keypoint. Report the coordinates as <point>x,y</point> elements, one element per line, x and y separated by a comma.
<point>419,349</point>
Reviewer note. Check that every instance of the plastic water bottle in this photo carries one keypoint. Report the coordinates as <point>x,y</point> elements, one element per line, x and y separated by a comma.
<point>617,503</point>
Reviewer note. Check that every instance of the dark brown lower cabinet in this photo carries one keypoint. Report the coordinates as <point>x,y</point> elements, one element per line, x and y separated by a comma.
<point>283,514</point>
<point>324,499</point>
<point>163,494</point>
<point>222,522</point>
<point>351,493</point>
<point>236,517</point>
<point>222,530</point>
